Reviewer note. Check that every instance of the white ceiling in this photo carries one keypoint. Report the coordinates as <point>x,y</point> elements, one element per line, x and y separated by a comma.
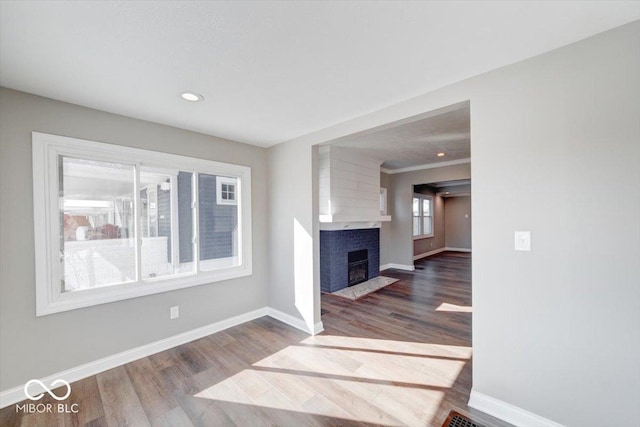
<point>418,142</point>
<point>273,71</point>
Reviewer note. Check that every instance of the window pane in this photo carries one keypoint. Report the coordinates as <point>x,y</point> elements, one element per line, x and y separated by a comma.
<point>416,225</point>
<point>416,206</point>
<point>426,207</point>
<point>427,225</point>
<point>226,190</point>
<point>162,251</point>
<point>218,225</point>
<point>97,222</point>
<point>186,211</point>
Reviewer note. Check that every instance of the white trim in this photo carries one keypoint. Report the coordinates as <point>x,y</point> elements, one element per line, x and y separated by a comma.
<point>16,394</point>
<point>427,166</point>
<point>449,195</point>
<point>457,249</point>
<point>47,148</point>
<point>437,251</point>
<point>353,218</point>
<point>295,321</point>
<point>318,327</point>
<point>397,267</point>
<point>334,226</point>
<point>426,254</point>
<point>507,412</point>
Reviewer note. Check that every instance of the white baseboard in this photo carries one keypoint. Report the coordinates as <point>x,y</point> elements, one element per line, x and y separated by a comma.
<point>426,254</point>
<point>397,267</point>
<point>317,328</point>
<point>457,249</point>
<point>16,394</point>
<point>437,251</point>
<point>420,256</point>
<point>507,412</point>
<point>295,321</point>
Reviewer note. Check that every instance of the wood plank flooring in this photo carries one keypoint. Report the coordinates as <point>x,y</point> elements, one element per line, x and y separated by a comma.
<point>399,356</point>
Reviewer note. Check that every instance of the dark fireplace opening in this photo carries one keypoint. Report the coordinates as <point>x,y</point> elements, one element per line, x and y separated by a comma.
<point>358,267</point>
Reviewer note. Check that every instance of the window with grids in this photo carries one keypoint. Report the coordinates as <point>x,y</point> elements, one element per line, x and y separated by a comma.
<point>226,190</point>
<point>115,222</point>
<point>422,216</point>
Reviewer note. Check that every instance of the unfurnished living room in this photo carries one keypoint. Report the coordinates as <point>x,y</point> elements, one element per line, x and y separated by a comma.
<point>310,213</point>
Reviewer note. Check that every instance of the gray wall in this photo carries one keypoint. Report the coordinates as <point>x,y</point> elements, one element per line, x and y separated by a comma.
<point>457,222</point>
<point>294,231</point>
<point>35,347</point>
<point>555,330</point>
<point>428,244</point>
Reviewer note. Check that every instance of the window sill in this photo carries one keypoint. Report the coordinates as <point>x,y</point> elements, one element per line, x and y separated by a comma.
<point>426,236</point>
<point>90,297</point>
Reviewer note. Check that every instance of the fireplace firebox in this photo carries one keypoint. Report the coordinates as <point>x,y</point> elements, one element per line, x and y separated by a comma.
<point>358,267</point>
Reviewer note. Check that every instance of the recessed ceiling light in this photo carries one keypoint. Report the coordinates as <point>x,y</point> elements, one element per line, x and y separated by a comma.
<point>192,97</point>
<point>441,154</point>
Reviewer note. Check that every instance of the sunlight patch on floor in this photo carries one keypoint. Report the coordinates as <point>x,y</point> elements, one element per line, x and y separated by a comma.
<point>374,381</point>
<point>407,347</point>
<point>445,306</point>
<point>372,403</point>
<point>366,365</point>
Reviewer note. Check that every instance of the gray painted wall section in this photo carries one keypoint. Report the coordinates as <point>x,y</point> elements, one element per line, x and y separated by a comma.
<point>294,231</point>
<point>79,336</point>
<point>457,222</point>
<point>555,330</point>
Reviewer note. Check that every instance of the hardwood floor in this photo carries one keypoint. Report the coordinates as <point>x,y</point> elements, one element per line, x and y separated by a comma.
<point>399,356</point>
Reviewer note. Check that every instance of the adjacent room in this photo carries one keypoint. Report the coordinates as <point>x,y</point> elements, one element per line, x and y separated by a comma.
<point>319,213</point>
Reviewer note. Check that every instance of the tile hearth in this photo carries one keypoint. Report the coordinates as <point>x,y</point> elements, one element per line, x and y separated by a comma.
<point>365,288</point>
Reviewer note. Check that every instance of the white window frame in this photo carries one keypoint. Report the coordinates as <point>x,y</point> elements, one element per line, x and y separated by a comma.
<point>46,151</point>
<point>422,197</point>
<point>229,181</point>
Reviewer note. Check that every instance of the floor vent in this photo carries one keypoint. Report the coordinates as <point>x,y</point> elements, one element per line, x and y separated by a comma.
<point>456,419</point>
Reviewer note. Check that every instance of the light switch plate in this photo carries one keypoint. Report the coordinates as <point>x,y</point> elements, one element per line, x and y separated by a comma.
<point>174,312</point>
<point>522,241</point>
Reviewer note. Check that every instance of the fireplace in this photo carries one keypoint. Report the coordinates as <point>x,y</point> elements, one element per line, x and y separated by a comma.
<point>358,267</point>
<point>340,248</point>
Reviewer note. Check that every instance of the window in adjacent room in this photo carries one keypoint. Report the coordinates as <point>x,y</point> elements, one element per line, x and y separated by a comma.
<point>422,207</point>
<point>383,201</point>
